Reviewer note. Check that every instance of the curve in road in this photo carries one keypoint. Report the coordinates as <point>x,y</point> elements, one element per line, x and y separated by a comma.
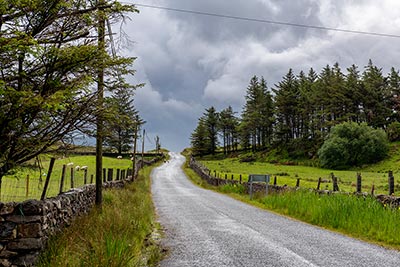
<point>204,228</point>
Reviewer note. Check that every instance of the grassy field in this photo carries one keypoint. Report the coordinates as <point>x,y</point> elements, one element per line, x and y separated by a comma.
<point>122,234</point>
<point>14,186</point>
<point>359,217</point>
<point>288,174</point>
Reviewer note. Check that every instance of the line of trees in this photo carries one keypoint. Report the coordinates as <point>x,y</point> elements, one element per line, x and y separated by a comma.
<point>298,113</point>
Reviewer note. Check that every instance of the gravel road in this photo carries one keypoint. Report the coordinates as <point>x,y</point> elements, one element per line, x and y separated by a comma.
<point>204,228</point>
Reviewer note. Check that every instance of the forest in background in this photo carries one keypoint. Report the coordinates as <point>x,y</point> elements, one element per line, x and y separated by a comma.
<point>296,115</point>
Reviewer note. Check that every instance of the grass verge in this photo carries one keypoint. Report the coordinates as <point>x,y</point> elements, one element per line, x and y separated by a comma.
<point>358,217</point>
<point>122,234</point>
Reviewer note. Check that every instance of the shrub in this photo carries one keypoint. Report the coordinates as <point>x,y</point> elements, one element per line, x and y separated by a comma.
<point>393,131</point>
<point>352,144</point>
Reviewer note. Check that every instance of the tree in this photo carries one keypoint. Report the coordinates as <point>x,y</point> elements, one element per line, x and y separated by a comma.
<point>199,138</point>
<point>353,144</point>
<point>211,118</point>
<point>228,126</point>
<point>120,120</point>
<point>257,115</point>
<point>376,97</point>
<point>286,108</point>
<point>49,64</point>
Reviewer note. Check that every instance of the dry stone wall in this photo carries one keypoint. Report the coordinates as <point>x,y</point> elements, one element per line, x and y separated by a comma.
<point>26,226</point>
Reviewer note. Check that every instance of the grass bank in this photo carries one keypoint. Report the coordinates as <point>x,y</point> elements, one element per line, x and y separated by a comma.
<point>122,234</point>
<point>359,217</point>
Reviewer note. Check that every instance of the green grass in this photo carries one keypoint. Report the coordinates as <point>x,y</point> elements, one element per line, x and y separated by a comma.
<point>14,186</point>
<point>118,236</point>
<point>288,175</point>
<point>360,217</point>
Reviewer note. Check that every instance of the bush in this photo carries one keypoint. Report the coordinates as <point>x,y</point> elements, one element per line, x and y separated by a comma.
<point>351,144</point>
<point>393,131</point>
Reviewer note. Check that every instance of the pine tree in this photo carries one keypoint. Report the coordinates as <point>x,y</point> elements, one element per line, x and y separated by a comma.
<point>286,108</point>
<point>120,120</point>
<point>199,138</point>
<point>376,97</point>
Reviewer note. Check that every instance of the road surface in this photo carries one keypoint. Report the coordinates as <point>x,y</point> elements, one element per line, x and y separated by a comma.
<point>204,228</point>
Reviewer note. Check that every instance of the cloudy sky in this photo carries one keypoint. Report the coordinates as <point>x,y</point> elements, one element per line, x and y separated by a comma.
<point>191,62</point>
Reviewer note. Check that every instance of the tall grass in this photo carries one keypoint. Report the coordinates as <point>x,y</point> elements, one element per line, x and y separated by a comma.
<point>116,236</point>
<point>361,217</point>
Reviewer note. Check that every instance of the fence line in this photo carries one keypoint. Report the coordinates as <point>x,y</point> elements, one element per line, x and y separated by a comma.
<point>33,187</point>
<point>216,180</point>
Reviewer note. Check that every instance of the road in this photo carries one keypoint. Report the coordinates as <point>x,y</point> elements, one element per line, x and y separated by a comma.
<point>204,228</point>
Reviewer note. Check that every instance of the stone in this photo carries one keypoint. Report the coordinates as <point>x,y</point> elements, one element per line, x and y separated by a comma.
<point>30,207</point>
<point>8,230</point>
<point>24,219</point>
<point>7,208</point>
<point>7,254</point>
<point>26,244</point>
<point>27,260</point>
<point>30,230</point>
<point>5,263</point>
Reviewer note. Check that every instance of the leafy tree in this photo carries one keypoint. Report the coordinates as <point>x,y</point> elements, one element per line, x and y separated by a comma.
<point>49,62</point>
<point>353,144</point>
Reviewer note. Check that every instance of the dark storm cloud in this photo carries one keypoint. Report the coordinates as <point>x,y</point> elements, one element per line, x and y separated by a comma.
<point>191,62</point>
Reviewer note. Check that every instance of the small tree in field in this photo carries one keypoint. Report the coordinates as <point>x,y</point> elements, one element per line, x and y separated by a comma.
<point>352,144</point>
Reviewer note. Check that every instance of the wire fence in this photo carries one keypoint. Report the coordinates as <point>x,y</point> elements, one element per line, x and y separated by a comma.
<point>31,186</point>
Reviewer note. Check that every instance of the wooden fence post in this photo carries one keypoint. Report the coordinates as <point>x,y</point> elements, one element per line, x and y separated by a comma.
<point>85,176</point>
<point>319,183</point>
<point>91,178</point>
<point>72,177</point>
<point>110,175</point>
<point>122,174</point>
<point>298,182</point>
<point>232,177</point>
<point>118,173</point>
<point>64,168</point>
<point>226,176</point>
<point>275,180</point>
<point>359,182</point>
<point>335,182</point>
<point>372,190</point>
<point>240,179</point>
<point>46,184</point>
<point>27,186</point>
<point>104,175</point>
<point>391,183</point>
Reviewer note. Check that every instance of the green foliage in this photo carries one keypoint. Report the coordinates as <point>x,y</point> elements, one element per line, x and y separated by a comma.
<point>393,131</point>
<point>122,122</point>
<point>352,144</point>
<point>50,62</point>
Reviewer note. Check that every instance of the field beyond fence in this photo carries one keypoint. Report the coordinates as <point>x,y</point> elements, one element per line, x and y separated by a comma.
<point>70,172</point>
